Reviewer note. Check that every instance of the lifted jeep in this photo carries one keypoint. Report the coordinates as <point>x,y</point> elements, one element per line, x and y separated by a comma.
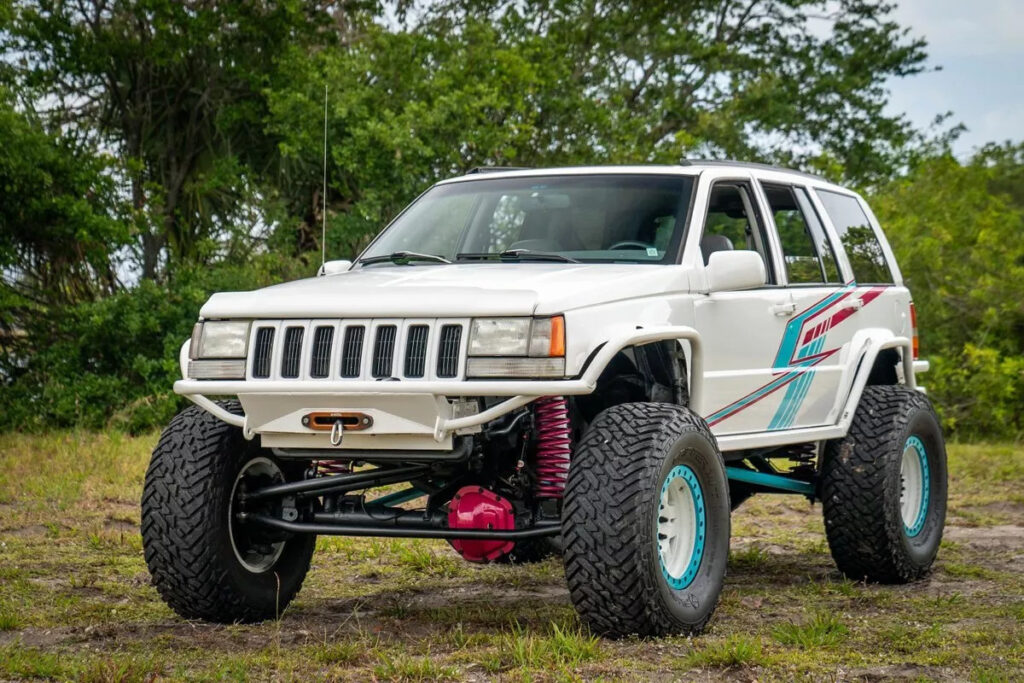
<point>595,362</point>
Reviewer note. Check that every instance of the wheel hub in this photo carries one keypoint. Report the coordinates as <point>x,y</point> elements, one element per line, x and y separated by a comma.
<point>254,551</point>
<point>681,527</point>
<point>914,486</point>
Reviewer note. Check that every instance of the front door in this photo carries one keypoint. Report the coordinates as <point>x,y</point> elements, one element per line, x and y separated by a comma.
<point>741,330</point>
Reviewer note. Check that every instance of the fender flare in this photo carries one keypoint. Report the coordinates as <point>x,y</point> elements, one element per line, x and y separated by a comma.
<point>604,353</point>
<point>866,345</point>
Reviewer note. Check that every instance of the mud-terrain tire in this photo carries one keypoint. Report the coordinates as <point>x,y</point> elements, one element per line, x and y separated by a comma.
<point>635,459</point>
<point>874,532</point>
<point>187,531</point>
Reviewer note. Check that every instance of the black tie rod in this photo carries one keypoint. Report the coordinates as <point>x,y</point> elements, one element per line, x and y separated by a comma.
<point>338,483</point>
<point>391,531</point>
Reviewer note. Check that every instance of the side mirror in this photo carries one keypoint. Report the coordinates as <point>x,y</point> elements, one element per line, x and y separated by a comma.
<point>729,271</point>
<point>334,267</point>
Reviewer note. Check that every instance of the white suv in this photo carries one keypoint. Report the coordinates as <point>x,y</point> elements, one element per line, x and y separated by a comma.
<point>598,362</point>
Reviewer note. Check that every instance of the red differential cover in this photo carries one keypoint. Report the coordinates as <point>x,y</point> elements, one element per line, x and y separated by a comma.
<point>474,507</point>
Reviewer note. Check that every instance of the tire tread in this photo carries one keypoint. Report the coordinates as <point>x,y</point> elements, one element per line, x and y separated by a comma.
<point>189,469</point>
<point>613,468</point>
<point>854,480</point>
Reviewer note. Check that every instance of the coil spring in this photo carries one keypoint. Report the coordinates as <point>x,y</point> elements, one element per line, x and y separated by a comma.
<point>328,467</point>
<point>554,445</point>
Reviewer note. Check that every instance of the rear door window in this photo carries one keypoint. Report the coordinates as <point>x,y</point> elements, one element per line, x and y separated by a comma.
<point>806,252</point>
<point>863,248</point>
<point>826,251</point>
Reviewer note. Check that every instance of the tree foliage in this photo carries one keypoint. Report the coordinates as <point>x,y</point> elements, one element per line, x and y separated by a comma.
<point>956,231</point>
<point>559,82</point>
<point>58,232</point>
<point>175,90</point>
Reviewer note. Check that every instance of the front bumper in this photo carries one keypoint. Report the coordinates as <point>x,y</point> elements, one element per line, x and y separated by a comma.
<point>407,415</point>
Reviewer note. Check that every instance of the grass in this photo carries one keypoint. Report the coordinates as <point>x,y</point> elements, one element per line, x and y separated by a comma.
<point>402,667</point>
<point>562,648</point>
<point>737,650</point>
<point>821,630</point>
<point>76,602</point>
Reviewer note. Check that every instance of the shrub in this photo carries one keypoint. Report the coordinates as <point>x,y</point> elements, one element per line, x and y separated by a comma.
<point>113,361</point>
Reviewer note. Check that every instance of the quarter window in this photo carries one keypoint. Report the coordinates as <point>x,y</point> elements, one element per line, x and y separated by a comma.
<point>858,237</point>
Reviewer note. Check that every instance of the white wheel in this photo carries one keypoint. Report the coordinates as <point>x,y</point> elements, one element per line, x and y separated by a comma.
<point>254,553</point>
<point>914,486</point>
<point>680,527</point>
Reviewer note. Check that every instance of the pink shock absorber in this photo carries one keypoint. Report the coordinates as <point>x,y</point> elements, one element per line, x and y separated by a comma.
<point>328,467</point>
<point>554,445</point>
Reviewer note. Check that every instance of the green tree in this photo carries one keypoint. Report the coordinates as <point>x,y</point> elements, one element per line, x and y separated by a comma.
<point>58,225</point>
<point>174,90</point>
<point>956,230</point>
<point>797,81</point>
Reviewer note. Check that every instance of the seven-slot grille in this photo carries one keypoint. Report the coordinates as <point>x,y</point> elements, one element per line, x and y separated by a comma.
<point>357,349</point>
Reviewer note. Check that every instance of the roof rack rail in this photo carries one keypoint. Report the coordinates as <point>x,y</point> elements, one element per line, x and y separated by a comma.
<point>496,169</point>
<point>748,164</point>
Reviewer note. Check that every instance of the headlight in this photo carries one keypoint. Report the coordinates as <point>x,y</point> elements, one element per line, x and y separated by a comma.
<point>220,339</point>
<point>499,337</point>
<point>517,347</point>
<point>535,337</point>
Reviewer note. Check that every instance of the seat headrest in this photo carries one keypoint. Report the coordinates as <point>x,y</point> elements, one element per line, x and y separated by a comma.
<point>709,244</point>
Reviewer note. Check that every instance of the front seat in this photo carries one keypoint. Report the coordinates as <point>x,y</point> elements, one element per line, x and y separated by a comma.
<point>709,244</point>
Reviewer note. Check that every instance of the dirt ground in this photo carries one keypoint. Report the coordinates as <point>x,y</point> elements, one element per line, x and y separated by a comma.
<point>76,602</point>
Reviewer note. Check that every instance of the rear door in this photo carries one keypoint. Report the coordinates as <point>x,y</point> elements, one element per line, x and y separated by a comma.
<point>808,359</point>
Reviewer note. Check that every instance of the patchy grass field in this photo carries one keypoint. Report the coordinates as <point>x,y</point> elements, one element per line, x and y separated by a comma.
<point>75,598</point>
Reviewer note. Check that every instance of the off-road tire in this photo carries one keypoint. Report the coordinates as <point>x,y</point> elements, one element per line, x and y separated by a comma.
<point>610,518</point>
<point>861,485</point>
<point>185,525</point>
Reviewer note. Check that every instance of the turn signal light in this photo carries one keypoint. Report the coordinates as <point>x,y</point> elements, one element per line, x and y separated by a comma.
<point>557,346</point>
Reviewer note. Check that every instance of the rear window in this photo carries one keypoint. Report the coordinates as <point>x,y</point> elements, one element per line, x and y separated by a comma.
<point>858,238</point>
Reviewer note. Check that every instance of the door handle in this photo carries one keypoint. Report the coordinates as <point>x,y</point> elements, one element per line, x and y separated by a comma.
<point>854,303</point>
<point>784,309</point>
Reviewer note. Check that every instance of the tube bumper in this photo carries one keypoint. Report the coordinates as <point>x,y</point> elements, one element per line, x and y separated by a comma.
<point>406,414</point>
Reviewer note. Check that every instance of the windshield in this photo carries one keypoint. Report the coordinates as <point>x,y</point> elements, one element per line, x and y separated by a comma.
<point>587,218</point>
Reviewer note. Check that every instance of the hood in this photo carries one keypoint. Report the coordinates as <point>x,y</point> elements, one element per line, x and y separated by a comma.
<point>456,290</point>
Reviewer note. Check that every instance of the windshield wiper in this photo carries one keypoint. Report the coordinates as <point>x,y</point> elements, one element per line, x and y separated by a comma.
<point>403,257</point>
<point>516,255</point>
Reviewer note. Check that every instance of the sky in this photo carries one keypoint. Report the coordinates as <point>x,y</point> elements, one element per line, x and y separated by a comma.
<point>980,46</point>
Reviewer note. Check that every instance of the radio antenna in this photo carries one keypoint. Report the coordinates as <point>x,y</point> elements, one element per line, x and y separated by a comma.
<point>323,230</point>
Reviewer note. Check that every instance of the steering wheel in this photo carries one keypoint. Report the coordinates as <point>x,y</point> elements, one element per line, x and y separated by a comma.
<point>630,244</point>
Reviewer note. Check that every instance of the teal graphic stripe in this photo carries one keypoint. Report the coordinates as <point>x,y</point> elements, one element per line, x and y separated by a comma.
<point>791,337</point>
<point>776,383</point>
<point>798,361</point>
<point>797,391</point>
